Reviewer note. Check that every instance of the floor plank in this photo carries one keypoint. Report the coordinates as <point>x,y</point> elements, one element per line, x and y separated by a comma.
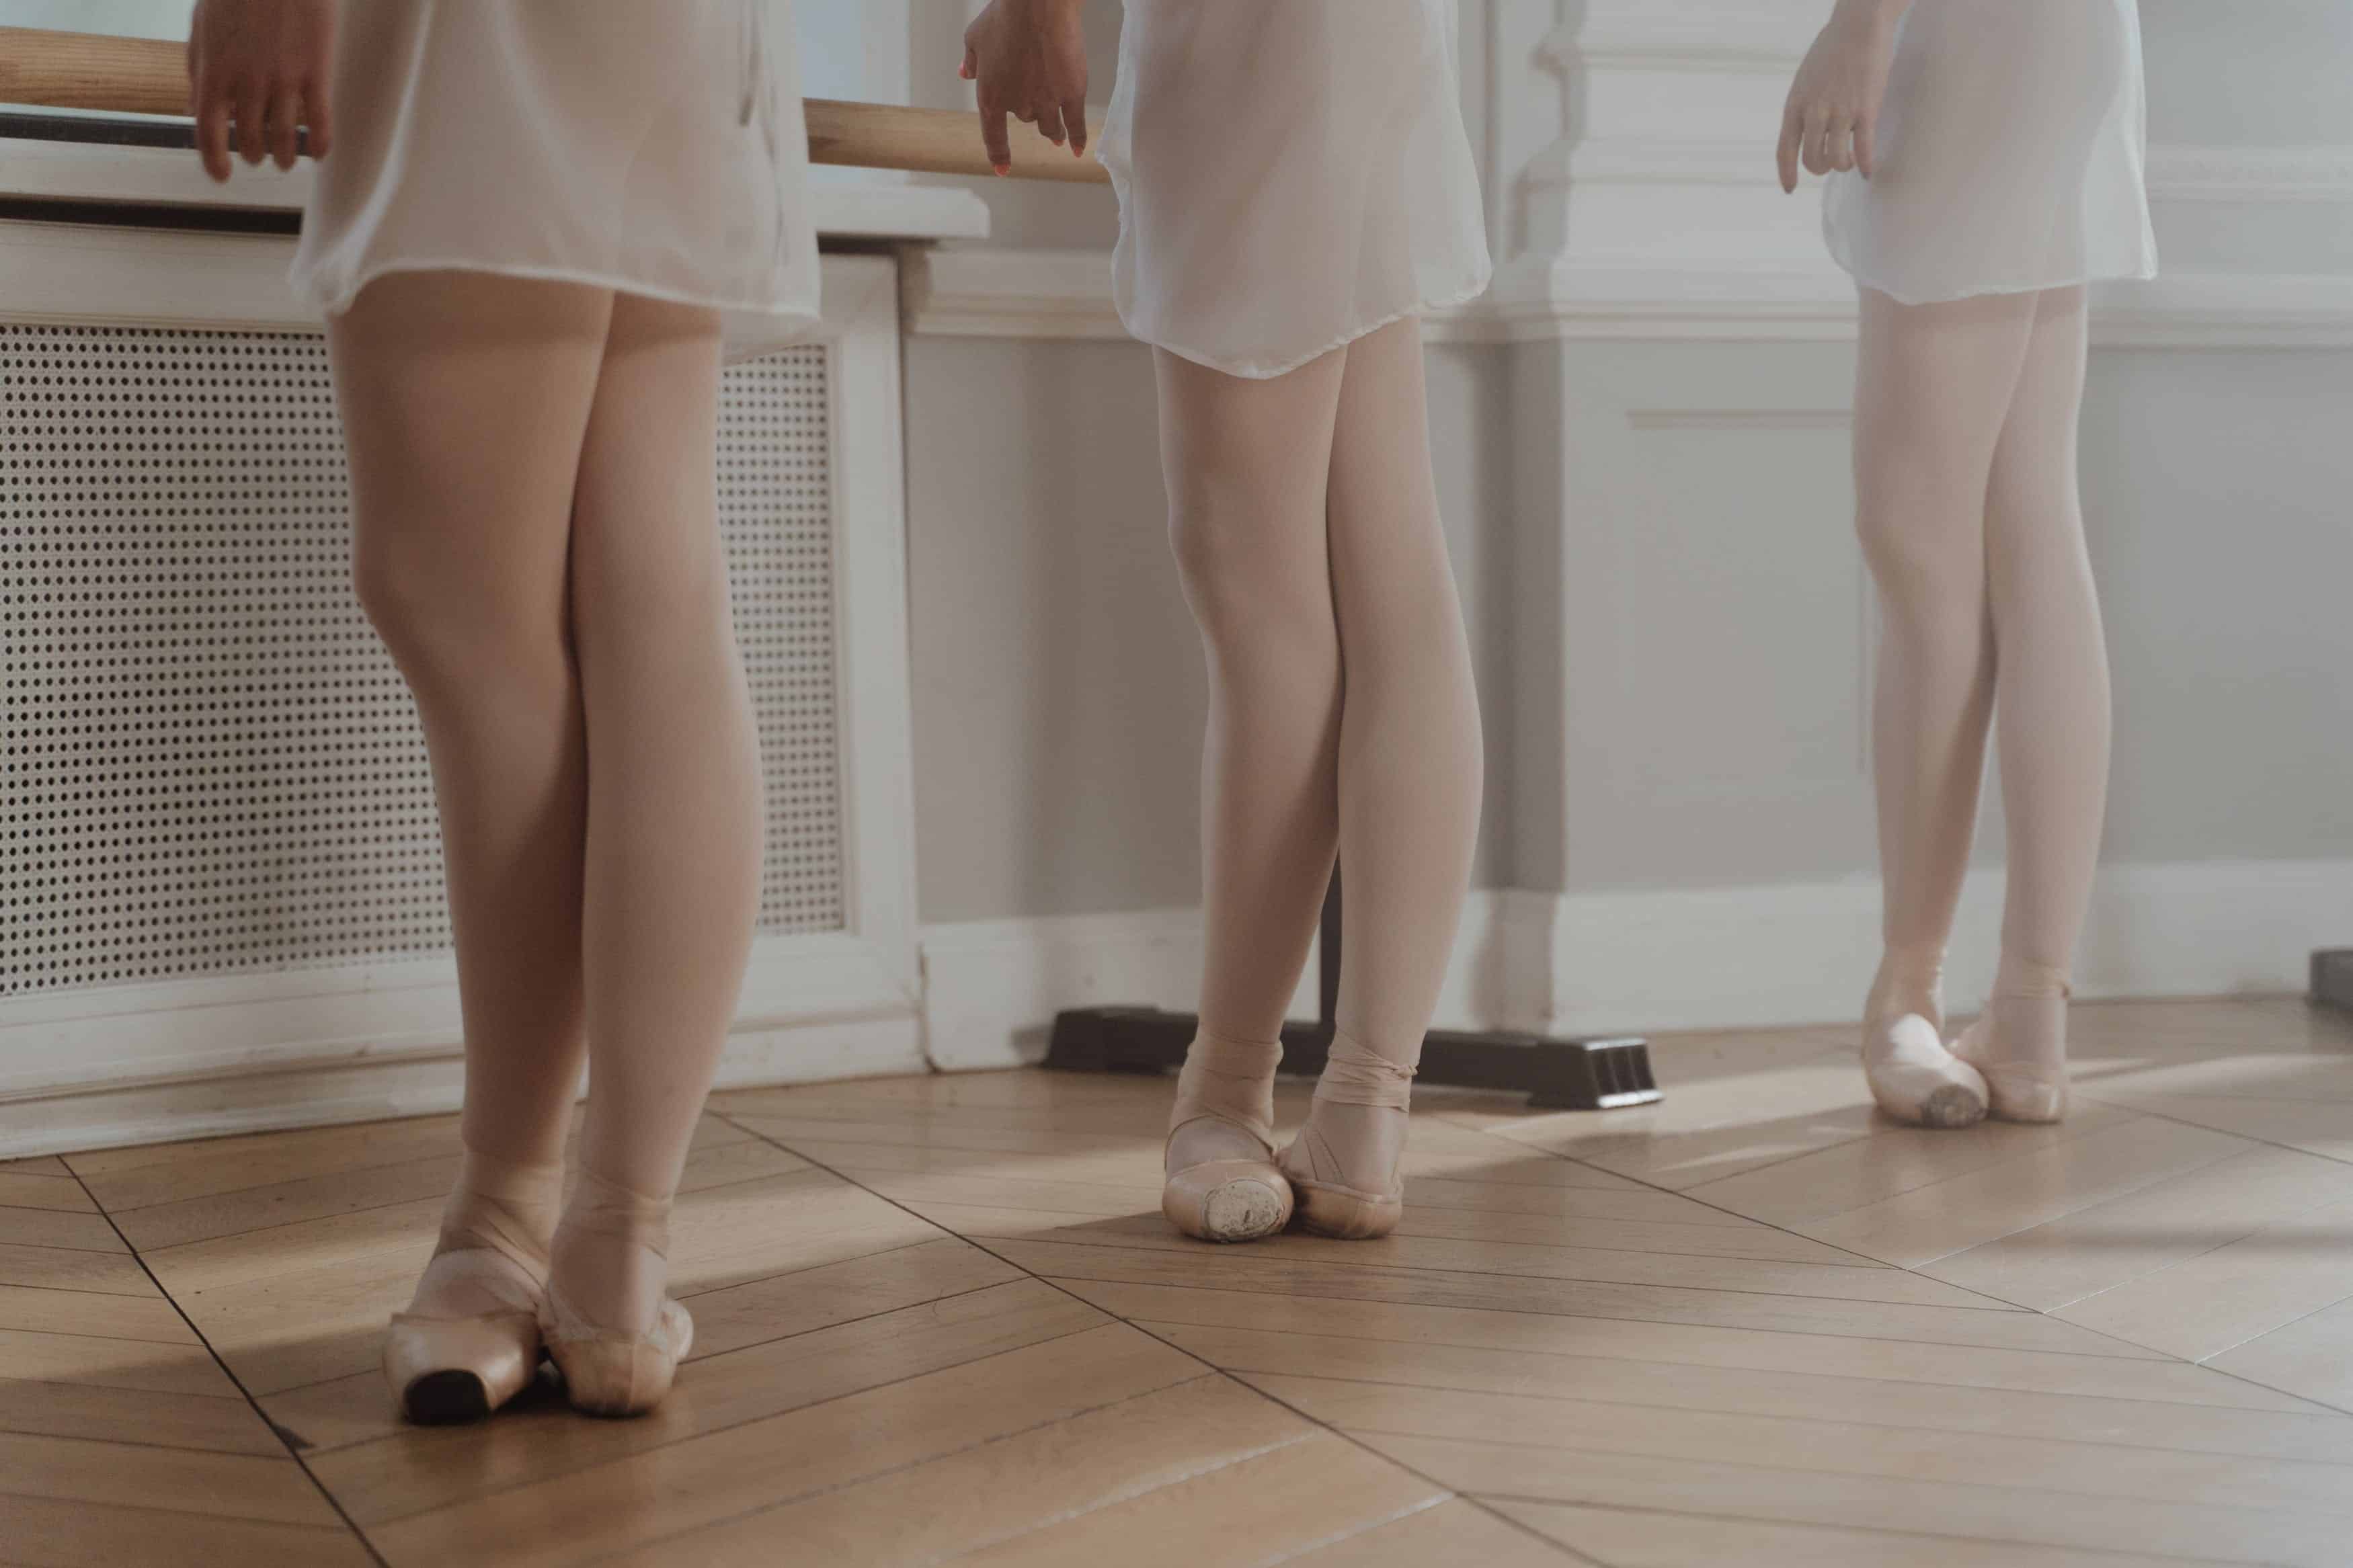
<point>71,1268</point>
<point>1274,1504</point>
<point>43,1190</point>
<point>58,1227</point>
<point>183,1481</point>
<point>99,1314</point>
<point>208,1421</point>
<point>60,1533</point>
<point>1267,1275</point>
<point>420,1470</point>
<point>1865,1446</point>
<point>714,1498</point>
<point>2032,1517</point>
<point>1629,1537</point>
<point>1455,1530</point>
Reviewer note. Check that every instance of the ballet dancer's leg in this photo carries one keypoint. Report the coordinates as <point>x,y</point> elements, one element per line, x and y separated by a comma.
<point>672,844</point>
<point>1934,384</point>
<point>1411,765</point>
<point>1247,464</point>
<point>2051,702</point>
<point>465,398</point>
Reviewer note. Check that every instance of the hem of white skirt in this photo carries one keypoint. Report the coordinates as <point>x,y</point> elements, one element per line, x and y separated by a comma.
<point>1259,370</point>
<point>342,298</point>
<point>2142,273</point>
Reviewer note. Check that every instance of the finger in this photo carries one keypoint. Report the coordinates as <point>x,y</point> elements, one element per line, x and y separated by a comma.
<point>252,115</point>
<point>211,130</point>
<point>1813,143</point>
<point>1049,122</point>
<point>1785,155</point>
<point>993,137</point>
<point>1865,161</point>
<point>1074,121</point>
<point>971,67</point>
<point>1837,145</point>
<point>1830,144</point>
<point>285,123</point>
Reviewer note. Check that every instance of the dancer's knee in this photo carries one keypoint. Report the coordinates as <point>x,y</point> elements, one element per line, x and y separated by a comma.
<point>1238,573</point>
<point>447,625</point>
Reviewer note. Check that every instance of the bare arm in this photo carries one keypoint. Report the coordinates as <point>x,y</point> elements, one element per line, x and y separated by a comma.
<point>1833,108</point>
<point>264,64</point>
<point>1029,59</point>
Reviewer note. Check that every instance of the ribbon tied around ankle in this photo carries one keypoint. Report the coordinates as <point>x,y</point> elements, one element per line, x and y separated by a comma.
<point>1354,1076</point>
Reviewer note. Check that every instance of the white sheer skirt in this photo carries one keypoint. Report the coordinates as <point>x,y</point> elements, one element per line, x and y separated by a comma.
<point>654,149</point>
<point>2011,154</point>
<point>1292,175</point>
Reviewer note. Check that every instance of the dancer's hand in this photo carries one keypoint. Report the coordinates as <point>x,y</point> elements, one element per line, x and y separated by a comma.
<point>266,64</point>
<point>1028,58</point>
<point>1833,108</point>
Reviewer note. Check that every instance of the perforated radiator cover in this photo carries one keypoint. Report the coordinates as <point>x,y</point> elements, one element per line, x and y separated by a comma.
<point>208,763</point>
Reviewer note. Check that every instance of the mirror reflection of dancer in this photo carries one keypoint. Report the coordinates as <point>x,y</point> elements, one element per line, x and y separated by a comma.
<point>538,218</point>
<point>1295,184</point>
<point>2003,172</point>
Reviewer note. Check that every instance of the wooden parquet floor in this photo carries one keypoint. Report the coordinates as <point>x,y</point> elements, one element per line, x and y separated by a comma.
<point>941,1319</point>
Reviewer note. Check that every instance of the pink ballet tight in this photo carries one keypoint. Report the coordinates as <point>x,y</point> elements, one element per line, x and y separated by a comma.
<point>1965,439</point>
<point>536,541</point>
<point>1341,716</point>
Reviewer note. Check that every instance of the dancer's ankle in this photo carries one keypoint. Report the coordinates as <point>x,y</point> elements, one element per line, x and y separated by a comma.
<point>1360,1116</point>
<point>1910,982</point>
<point>1229,1081</point>
<point>2022,977</point>
<point>610,1260</point>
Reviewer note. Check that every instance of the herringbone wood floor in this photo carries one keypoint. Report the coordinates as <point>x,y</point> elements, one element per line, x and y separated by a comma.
<point>941,1318</point>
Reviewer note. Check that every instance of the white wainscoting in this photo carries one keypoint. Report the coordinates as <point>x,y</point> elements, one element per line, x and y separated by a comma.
<point>176,1058</point>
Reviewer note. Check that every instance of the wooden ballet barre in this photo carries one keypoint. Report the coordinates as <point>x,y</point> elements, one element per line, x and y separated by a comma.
<point>150,75</point>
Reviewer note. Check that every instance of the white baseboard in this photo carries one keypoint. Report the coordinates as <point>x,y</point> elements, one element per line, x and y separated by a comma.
<point>1659,960</point>
<point>113,1065</point>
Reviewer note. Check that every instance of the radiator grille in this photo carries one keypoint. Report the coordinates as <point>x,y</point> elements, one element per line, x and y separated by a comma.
<point>208,763</point>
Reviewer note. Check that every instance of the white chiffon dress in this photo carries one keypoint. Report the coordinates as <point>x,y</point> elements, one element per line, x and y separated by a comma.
<point>1292,175</point>
<point>654,149</point>
<point>2010,155</point>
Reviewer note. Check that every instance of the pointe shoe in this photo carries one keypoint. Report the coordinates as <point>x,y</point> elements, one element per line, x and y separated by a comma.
<point>2019,1088</point>
<point>1221,1183</point>
<point>1328,1177</point>
<point>446,1364</point>
<point>611,1371</point>
<point>1916,1079</point>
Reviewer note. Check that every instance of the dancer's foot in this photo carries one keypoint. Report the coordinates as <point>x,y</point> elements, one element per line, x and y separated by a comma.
<point>470,1340</point>
<point>608,1326</point>
<point>1912,1076</point>
<point>1343,1163</point>
<point>1916,1079</point>
<point>2020,1044</point>
<point>1221,1180</point>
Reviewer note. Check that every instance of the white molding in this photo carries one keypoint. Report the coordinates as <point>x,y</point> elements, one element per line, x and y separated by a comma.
<point>1065,296</point>
<point>1803,954</point>
<point>1659,960</point>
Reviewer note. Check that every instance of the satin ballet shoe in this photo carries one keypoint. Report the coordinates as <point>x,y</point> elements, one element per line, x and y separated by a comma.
<point>607,1372</point>
<point>1221,1183</point>
<point>1916,1079</point>
<point>1327,1172</point>
<point>471,1340</point>
<point>610,1370</point>
<point>448,1371</point>
<point>2021,1087</point>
